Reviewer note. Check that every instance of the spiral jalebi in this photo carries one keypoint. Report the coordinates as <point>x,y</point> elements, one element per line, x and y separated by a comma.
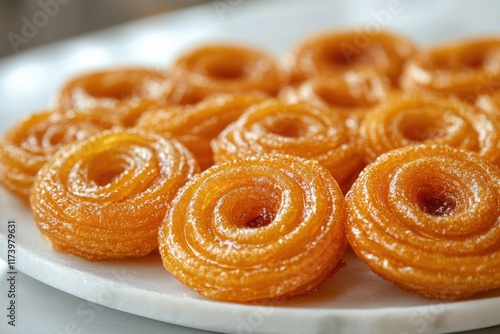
<point>103,198</point>
<point>427,218</point>
<point>263,228</point>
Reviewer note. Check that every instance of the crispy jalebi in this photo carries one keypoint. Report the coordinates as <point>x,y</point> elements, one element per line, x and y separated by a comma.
<point>122,94</point>
<point>32,141</point>
<point>332,53</point>
<point>406,119</point>
<point>197,125</point>
<point>427,218</point>
<point>269,227</point>
<point>298,129</point>
<point>104,198</point>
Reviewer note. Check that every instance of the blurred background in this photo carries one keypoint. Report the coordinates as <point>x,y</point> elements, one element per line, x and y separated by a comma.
<point>21,21</point>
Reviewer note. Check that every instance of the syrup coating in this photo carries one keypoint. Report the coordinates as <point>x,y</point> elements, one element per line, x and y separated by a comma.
<point>465,69</point>
<point>267,227</point>
<point>122,94</point>
<point>490,103</point>
<point>225,68</point>
<point>407,119</point>
<point>333,53</point>
<point>103,198</point>
<point>427,218</point>
<point>34,139</point>
<point>297,129</point>
<point>197,125</point>
<point>262,225</point>
<point>351,94</point>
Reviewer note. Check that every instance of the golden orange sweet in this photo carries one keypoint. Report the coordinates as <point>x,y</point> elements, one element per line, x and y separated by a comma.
<point>298,129</point>
<point>196,125</point>
<point>349,94</point>
<point>104,198</point>
<point>121,93</point>
<point>332,53</point>
<point>29,144</point>
<point>427,218</point>
<point>268,227</point>
<point>407,119</point>
<point>465,69</point>
<point>490,103</point>
<point>226,68</point>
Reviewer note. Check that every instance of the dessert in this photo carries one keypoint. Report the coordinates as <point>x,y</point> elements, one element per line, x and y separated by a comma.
<point>350,95</point>
<point>407,119</point>
<point>197,125</point>
<point>267,227</point>
<point>226,68</point>
<point>427,217</point>
<point>122,94</point>
<point>465,69</point>
<point>103,198</point>
<point>333,53</point>
<point>34,139</point>
<point>298,129</point>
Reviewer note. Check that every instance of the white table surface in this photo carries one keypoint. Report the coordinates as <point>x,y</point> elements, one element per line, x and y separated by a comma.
<point>43,309</point>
